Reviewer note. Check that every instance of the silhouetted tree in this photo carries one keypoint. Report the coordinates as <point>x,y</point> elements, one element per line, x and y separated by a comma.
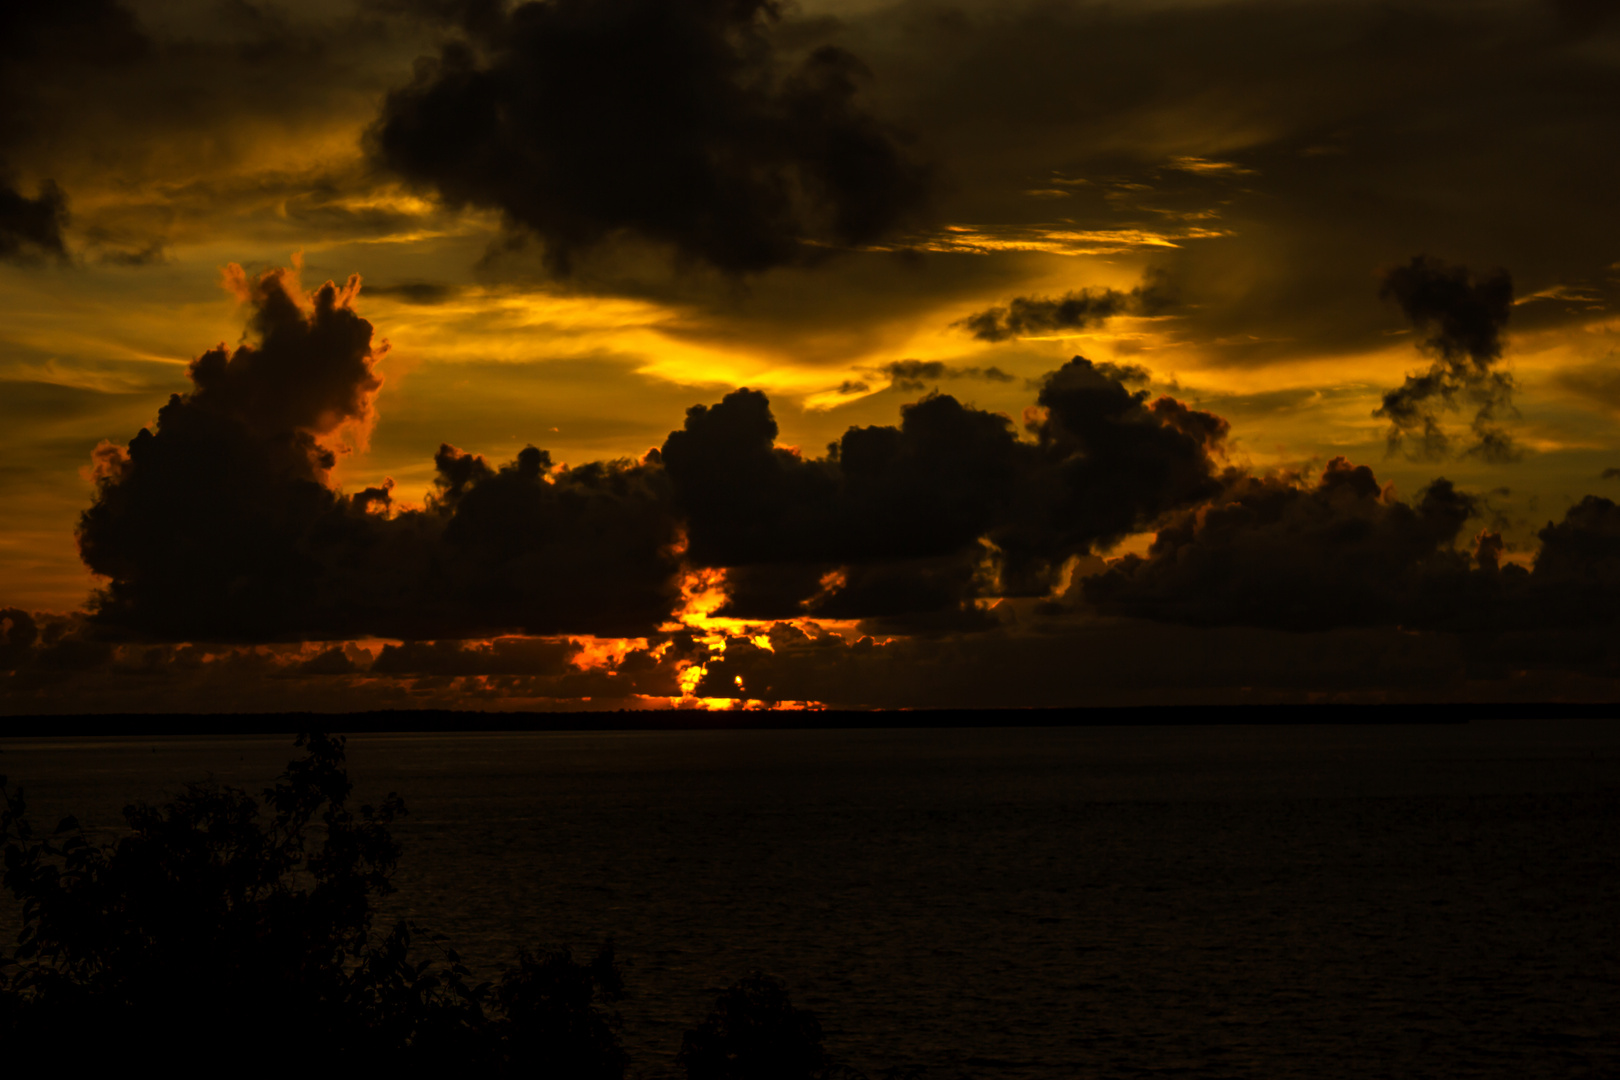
<point>548,1024</point>
<point>221,932</point>
<point>755,1033</point>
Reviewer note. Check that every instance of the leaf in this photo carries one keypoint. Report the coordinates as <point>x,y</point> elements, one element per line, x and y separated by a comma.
<point>67,824</point>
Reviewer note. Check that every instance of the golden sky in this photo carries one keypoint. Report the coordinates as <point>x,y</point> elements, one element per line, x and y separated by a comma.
<point>813,201</point>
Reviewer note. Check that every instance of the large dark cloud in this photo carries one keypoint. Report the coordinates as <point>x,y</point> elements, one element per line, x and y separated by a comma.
<point>674,121</point>
<point>220,524</point>
<point>926,490</point>
<point>1272,551</point>
<point>1577,571</point>
<point>1343,551</point>
<point>1028,315</point>
<point>1464,319</point>
<point>1116,463</point>
<point>915,513</point>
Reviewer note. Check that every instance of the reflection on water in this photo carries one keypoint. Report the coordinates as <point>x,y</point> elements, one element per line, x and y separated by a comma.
<point>1029,903</point>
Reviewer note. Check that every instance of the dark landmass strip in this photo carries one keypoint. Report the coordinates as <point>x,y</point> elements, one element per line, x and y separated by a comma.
<point>439,720</point>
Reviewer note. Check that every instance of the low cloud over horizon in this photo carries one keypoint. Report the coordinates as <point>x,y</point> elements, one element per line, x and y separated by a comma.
<point>722,566</point>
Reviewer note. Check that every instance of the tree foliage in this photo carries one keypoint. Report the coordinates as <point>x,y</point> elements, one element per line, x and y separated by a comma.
<point>756,1033</point>
<point>227,930</point>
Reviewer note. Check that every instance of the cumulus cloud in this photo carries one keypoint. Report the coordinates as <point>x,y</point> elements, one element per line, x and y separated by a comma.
<point>1276,551</point>
<point>221,525</point>
<point>927,489</point>
<point>1282,589</point>
<point>1320,557</point>
<point>1577,571</point>
<point>674,121</point>
<point>1030,315</point>
<point>923,516</point>
<point>1116,463</point>
<point>1464,317</point>
<point>221,522</point>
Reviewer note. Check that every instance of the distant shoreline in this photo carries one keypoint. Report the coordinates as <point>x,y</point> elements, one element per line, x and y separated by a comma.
<point>445,720</point>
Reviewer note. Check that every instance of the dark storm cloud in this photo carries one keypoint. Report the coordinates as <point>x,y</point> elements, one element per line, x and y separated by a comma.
<point>902,510</point>
<point>1344,552</point>
<point>589,549</point>
<point>674,121</point>
<point>1577,572</point>
<point>1464,319</point>
<point>309,373</point>
<point>1271,552</point>
<point>1029,315</point>
<point>1116,463</point>
<point>1527,636</point>
<point>220,524</point>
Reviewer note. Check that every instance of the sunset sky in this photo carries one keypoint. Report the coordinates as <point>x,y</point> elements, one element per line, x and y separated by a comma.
<point>1342,274</point>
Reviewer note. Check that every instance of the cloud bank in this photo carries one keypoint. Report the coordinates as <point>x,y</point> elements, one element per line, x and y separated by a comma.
<point>228,552</point>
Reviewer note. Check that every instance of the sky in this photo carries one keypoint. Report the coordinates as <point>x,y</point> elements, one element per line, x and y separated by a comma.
<point>584,354</point>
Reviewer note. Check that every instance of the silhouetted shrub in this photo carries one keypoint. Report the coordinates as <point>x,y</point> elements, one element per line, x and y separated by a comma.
<point>547,1023</point>
<point>222,933</point>
<point>755,1033</point>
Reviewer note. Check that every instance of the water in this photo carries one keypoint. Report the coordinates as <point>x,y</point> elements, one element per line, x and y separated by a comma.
<point>1023,903</point>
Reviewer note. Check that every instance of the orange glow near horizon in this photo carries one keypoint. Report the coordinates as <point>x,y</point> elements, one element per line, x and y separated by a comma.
<point>595,653</point>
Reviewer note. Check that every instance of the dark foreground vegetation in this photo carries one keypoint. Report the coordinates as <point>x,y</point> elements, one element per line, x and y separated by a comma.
<point>235,934</point>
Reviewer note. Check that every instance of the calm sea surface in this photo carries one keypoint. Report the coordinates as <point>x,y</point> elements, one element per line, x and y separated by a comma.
<point>1265,902</point>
